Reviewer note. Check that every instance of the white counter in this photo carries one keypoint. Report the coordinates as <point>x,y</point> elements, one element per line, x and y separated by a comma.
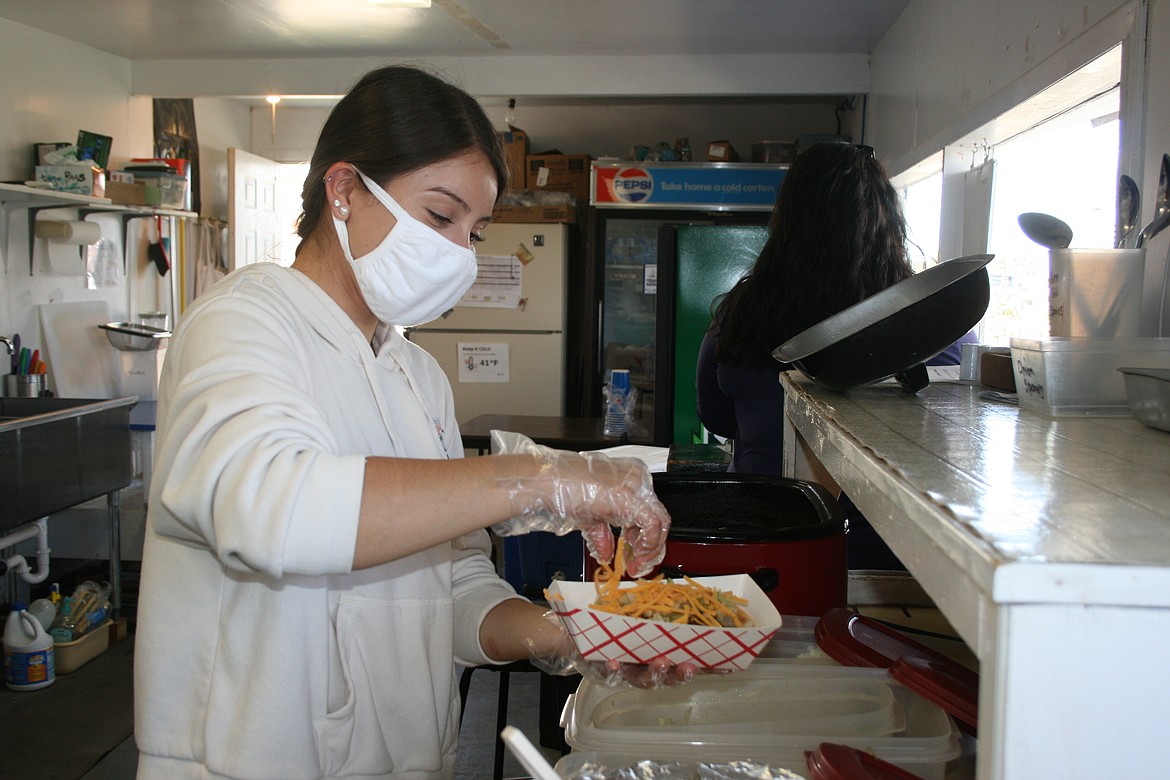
<point>1046,543</point>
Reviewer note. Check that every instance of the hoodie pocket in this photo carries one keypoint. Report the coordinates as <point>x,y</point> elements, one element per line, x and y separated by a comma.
<point>399,712</point>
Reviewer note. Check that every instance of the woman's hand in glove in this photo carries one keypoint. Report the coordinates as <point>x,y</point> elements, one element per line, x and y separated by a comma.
<point>562,658</point>
<point>589,492</point>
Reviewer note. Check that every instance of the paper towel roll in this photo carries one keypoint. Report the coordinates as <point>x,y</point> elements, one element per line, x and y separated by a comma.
<point>69,231</point>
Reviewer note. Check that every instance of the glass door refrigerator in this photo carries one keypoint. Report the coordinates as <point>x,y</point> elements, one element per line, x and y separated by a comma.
<point>631,307</point>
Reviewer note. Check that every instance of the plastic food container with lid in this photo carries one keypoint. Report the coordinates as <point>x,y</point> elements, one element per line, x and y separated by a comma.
<point>771,713</point>
<point>890,697</point>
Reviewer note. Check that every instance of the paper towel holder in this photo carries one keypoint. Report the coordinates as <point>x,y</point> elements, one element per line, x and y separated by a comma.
<point>58,232</point>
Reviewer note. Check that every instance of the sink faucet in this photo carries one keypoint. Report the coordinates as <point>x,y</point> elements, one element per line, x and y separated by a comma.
<point>8,343</point>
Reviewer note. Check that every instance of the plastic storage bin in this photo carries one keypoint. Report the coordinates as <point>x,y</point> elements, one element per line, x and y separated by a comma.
<point>71,656</point>
<point>532,561</point>
<point>770,713</point>
<point>1078,376</point>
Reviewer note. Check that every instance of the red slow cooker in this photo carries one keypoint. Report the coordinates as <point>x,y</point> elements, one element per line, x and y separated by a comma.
<point>787,534</point>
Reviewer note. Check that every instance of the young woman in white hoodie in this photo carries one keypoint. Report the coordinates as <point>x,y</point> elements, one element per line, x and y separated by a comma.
<point>316,564</point>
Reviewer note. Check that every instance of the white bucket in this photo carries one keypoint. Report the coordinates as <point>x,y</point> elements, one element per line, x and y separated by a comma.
<point>1095,293</point>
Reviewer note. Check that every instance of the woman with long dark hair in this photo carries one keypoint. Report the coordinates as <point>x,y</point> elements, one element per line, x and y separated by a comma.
<point>837,235</point>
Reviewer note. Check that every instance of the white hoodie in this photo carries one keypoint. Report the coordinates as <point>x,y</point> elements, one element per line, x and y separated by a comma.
<point>259,653</point>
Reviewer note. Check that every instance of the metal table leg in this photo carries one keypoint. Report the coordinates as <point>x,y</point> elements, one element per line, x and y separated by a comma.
<point>114,511</point>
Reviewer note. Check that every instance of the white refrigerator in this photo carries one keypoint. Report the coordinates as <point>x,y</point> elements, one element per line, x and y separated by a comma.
<point>503,346</point>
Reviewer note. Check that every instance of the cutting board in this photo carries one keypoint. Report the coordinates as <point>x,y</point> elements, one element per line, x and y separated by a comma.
<point>82,362</point>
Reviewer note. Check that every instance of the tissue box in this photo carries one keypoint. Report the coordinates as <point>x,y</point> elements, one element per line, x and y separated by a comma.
<point>79,179</point>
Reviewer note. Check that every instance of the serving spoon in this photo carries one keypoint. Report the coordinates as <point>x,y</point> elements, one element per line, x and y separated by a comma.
<point>1129,202</point>
<point>1046,230</point>
<point>1161,205</point>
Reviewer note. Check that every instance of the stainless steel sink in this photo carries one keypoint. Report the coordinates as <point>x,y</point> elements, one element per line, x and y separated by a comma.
<point>59,452</point>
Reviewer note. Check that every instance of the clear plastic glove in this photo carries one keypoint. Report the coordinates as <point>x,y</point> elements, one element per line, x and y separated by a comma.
<point>564,659</point>
<point>587,492</point>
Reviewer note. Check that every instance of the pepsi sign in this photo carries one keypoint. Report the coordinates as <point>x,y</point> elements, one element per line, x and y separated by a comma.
<point>632,185</point>
<point>682,185</point>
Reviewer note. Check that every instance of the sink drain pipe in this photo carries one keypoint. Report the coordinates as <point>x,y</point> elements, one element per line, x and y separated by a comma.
<point>17,563</point>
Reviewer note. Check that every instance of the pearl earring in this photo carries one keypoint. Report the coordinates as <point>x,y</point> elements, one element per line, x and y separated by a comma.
<point>343,210</point>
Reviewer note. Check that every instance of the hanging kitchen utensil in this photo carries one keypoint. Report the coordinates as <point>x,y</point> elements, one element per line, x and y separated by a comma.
<point>1046,230</point>
<point>894,332</point>
<point>155,251</point>
<point>1161,206</point>
<point>1129,203</point>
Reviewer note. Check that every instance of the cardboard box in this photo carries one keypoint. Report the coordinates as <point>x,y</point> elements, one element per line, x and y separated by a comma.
<point>560,172</point>
<point>565,213</point>
<point>78,179</point>
<point>515,143</point>
<point>128,193</point>
<point>721,151</point>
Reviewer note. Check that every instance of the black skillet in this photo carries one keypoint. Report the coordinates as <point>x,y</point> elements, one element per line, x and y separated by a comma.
<point>894,332</point>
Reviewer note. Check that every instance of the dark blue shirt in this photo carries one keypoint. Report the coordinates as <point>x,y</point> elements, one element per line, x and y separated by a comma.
<point>747,405</point>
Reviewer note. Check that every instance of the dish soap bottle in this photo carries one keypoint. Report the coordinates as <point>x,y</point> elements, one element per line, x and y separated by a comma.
<point>28,652</point>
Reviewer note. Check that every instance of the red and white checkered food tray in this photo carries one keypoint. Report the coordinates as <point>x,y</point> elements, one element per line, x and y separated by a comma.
<point>604,636</point>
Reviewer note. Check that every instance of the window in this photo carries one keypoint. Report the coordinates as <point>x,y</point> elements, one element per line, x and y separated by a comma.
<point>922,205</point>
<point>1056,153</point>
<point>1066,167</point>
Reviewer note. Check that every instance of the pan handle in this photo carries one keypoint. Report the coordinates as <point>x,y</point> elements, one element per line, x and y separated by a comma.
<point>914,378</point>
<point>765,576</point>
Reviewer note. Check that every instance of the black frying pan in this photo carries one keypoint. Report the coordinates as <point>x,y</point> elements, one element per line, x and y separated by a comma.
<point>894,332</point>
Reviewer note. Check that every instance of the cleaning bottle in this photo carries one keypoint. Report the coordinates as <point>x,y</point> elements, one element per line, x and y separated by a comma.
<point>28,652</point>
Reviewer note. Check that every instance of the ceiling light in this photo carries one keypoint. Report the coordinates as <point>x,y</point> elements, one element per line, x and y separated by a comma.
<point>401,3</point>
<point>273,99</point>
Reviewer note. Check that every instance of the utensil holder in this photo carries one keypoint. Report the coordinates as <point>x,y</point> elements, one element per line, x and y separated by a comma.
<point>1095,293</point>
<point>25,385</point>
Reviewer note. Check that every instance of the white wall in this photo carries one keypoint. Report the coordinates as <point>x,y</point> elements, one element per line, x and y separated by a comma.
<point>52,88</point>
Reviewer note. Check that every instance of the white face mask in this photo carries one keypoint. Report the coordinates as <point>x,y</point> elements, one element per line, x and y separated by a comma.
<point>415,274</point>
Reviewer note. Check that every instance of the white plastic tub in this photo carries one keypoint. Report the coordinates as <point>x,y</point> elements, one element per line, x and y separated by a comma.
<point>770,713</point>
<point>1095,293</point>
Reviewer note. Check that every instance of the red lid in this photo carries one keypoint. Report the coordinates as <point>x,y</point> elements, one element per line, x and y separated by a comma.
<point>841,762</point>
<point>953,687</point>
<point>855,640</point>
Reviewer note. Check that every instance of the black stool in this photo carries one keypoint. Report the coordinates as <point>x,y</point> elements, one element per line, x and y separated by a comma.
<point>553,692</point>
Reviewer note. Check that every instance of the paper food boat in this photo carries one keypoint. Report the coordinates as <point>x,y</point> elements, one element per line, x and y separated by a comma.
<point>604,636</point>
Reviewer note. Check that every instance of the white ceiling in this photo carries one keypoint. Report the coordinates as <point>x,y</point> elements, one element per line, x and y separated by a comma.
<point>286,29</point>
<point>535,50</point>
